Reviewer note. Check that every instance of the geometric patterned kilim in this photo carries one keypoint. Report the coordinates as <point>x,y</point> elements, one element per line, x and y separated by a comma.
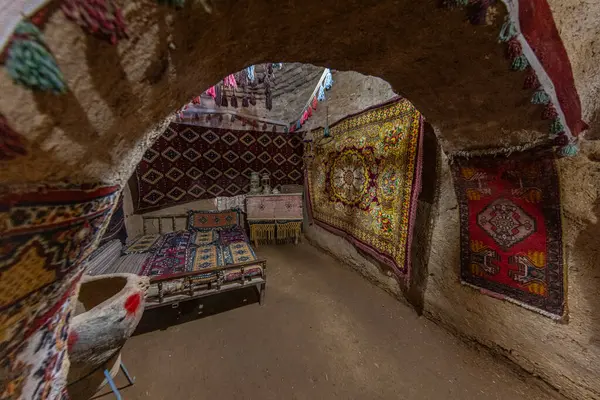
<point>511,235</point>
<point>188,163</point>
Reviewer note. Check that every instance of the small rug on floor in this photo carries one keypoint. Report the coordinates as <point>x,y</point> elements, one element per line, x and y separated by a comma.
<point>510,229</point>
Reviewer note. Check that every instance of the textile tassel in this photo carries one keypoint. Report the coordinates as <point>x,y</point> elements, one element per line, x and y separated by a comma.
<point>264,127</point>
<point>102,18</point>
<point>250,72</point>
<point>508,30</point>
<point>270,68</point>
<point>308,112</point>
<point>556,127</point>
<point>29,62</point>
<point>328,81</point>
<point>540,97</point>
<point>519,63</point>
<point>218,95</point>
<point>224,101</point>
<point>268,100</point>
<point>561,140</point>
<point>314,103</point>
<point>569,150</point>
<point>298,125</point>
<point>478,11</point>
<point>321,95</point>
<point>245,102</point>
<point>286,130</point>
<point>274,128</point>
<point>292,128</point>
<point>531,80</point>
<point>514,49</point>
<point>211,92</point>
<point>252,99</point>
<point>549,112</point>
<point>196,100</point>
<point>12,145</point>
<point>234,102</point>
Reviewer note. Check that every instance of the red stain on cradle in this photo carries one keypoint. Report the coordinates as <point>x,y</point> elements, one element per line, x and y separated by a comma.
<point>73,338</point>
<point>132,303</point>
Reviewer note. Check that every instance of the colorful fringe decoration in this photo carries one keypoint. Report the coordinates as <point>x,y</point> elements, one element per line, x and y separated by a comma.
<point>540,97</point>
<point>321,94</point>
<point>234,102</point>
<point>173,3</point>
<point>11,143</point>
<point>549,112</point>
<point>314,103</point>
<point>196,100</point>
<point>262,233</point>
<point>556,127</point>
<point>561,140</point>
<point>29,62</point>
<point>519,62</point>
<point>569,150</point>
<point>531,79</point>
<point>102,18</point>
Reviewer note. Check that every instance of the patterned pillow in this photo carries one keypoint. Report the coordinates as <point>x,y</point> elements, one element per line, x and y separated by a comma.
<point>205,220</point>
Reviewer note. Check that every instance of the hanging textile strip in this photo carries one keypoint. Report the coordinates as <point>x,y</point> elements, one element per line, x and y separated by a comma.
<point>29,63</point>
<point>511,228</point>
<point>101,18</point>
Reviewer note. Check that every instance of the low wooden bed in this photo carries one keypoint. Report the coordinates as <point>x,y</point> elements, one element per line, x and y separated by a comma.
<point>206,262</point>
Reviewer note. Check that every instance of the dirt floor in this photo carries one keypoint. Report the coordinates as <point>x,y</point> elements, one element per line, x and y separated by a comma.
<point>324,333</point>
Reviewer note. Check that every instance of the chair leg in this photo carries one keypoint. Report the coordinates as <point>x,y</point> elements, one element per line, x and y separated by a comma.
<point>129,378</point>
<point>112,385</point>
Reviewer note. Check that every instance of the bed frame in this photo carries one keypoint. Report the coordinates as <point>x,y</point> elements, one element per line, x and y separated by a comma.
<point>184,286</point>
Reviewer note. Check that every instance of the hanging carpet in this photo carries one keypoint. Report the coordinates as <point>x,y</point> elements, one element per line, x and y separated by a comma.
<point>189,163</point>
<point>510,229</point>
<point>364,182</point>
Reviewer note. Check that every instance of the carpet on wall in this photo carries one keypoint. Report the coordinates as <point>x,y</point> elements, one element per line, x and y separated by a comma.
<point>510,229</point>
<point>188,163</point>
<point>364,182</point>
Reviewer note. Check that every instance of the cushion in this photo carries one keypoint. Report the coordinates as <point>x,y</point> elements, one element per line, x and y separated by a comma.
<point>206,220</point>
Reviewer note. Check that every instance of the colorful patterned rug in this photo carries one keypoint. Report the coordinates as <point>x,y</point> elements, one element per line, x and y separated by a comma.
<point>364,182</point>
<point>189,163</point>
<point>171,257</point>
<point>511,235</point>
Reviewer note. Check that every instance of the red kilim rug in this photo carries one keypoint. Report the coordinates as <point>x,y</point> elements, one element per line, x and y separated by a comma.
<point>510,229</point>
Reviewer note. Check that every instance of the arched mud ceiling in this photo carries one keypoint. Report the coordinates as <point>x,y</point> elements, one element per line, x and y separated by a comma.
<point>455,73</point>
